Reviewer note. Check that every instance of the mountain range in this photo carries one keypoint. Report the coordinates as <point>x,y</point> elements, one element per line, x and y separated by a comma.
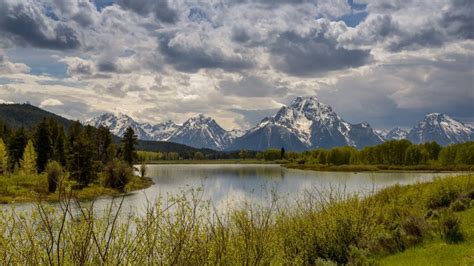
<point>304,124</point>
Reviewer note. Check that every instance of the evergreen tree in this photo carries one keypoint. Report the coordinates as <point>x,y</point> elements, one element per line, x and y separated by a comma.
<point>59,150</point>
<point>4,131</point>
<point>103,140</point>
<point>3,158</point>
<point>16,146</point>
<point>128,146</point>
<point>80,160</point>
<point>43,145</point>
<point>28,161</point>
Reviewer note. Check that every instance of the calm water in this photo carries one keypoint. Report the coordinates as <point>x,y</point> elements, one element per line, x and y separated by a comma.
<point>227,186</point>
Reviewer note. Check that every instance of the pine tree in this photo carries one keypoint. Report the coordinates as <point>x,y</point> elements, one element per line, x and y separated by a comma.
<point>3,158</point>
<point>43,145</point>
<point>28,161</point>
<point>59,151</point>
<point>16,146</point>
<point>80,160</point>
<point>128,143</point>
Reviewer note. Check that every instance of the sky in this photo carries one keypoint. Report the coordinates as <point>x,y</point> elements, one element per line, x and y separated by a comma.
<point>385,62</point>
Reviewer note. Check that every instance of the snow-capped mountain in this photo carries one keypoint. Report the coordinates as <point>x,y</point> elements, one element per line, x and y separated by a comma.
<point>202,132</point>
<point>442,129</point>
<point>306,123</point>
<point>199,131</point>
<point>118,124</point>
<point>397,133</point>
<point>161,131</point>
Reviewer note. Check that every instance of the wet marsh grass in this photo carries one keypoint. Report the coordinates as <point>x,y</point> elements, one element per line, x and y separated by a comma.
<point>327,226</point>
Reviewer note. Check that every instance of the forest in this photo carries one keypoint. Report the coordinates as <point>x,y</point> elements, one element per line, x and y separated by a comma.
<point>47,158</point>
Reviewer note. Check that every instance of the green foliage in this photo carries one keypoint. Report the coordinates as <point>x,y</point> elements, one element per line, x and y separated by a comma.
<point>28,161</point>
<point>198,155</point>
<point>326,228</point>
<point>16,146</point>
<point>54,171</point>
<point>416,155</point>
<point>128,146</point>
<point>243,154</point>
<point>272,154</point>
<point>450,227</point>
<point>116,174</point>
<point>146,156</point>
<point>43,145</point>
<point>80,158</point>
<point>3,158</point>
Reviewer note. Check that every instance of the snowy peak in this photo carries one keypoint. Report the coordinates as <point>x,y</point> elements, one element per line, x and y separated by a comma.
<point>442,129</point>
<point>307,123</point>
<point>118,123</point>
<point>397,133</point>
<point>202,131</point>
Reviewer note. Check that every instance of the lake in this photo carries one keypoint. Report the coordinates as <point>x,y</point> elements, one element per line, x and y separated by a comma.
<point>230,185</point>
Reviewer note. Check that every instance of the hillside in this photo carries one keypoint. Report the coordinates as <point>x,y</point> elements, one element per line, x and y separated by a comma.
<point>26,115</point>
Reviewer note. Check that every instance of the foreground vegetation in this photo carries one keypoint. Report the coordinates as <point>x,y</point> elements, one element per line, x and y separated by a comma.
<point>35,162</point>
<point>327,227</point>
<point>437,251</point>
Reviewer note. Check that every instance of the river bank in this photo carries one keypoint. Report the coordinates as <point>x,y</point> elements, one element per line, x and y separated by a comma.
<point>324,227</point>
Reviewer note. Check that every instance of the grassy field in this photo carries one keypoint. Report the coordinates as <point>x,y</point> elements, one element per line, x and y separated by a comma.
<point>22,187</point>
<point>410,224</point>
<point>438,252</point>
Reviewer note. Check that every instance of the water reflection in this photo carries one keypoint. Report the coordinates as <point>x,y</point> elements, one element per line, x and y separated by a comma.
<point>228,186</point>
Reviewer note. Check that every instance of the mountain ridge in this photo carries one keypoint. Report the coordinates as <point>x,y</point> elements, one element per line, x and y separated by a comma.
<point>306,123</point>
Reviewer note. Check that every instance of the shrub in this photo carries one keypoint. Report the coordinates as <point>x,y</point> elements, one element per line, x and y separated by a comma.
<point>450,227</point>
<point>54,171</point>
<point>460,205</point>
<point>415,229</point>
<point>143,170</point>
<point>117,174</point>
<point>442,194</point>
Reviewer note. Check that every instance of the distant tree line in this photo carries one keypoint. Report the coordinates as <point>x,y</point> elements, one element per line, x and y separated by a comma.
<point>395,152</point>
<point>84,152</point>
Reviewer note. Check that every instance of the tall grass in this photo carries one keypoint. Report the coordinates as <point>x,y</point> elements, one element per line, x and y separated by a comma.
<point>323,227</point>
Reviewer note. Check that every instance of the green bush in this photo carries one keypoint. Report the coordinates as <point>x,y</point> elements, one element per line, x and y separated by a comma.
<point>450,227</point>
<point>54,171</point>
<point>116,174</point>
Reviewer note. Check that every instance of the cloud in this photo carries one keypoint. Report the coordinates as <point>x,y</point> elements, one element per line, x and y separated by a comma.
<point>313,53</point>
<point>7,67</point>
<point>458,19</point>
<point>192,51</point>
<point>51,102</point>
<point>25,23</point>
<point>226,57</point>
<point>159,8</point>
<point>251,86</point>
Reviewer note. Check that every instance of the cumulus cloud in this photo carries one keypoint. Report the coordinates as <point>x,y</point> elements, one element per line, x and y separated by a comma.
<point>238,59</point>
<point>159,8</point>
<point>25,23</point>
<point>313,53</point>
<point>7,67</point>
<point>51,102</point>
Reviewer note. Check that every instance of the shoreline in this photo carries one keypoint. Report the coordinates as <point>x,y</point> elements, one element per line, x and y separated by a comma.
<point>88,193</point>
